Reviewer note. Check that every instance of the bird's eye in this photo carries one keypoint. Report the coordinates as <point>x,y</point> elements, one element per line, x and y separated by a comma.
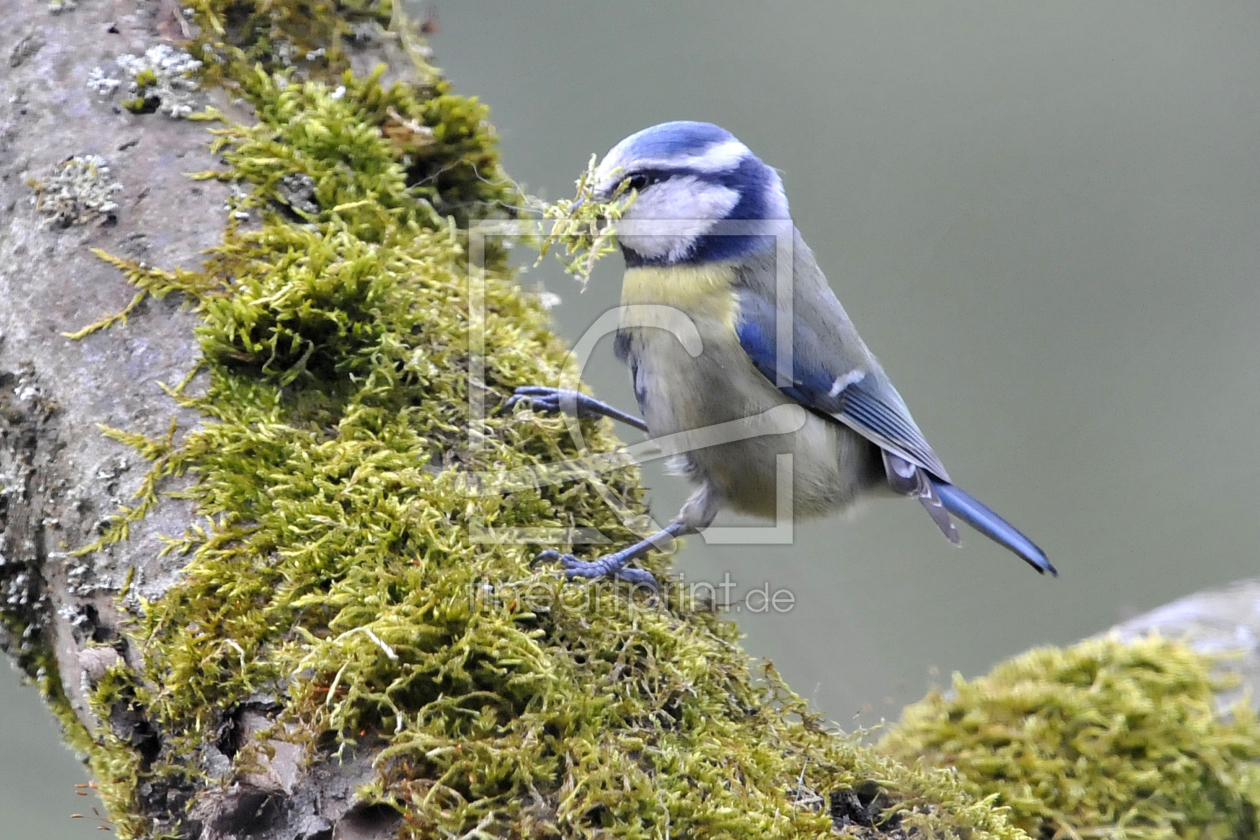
<point>638,182</point>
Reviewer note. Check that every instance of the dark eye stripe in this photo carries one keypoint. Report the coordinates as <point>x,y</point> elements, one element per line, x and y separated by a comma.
<point>645,178</point>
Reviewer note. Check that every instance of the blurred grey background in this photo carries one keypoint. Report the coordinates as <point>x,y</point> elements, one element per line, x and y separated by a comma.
<point>1045,220</point>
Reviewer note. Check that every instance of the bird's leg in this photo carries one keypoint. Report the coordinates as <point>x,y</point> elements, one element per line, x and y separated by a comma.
<point>697,513</point>
<point>615,563</point>
<point>577,404</point>
<point>574,403</point>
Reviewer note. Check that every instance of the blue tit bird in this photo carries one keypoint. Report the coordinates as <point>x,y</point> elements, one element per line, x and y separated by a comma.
<point>709,245</point>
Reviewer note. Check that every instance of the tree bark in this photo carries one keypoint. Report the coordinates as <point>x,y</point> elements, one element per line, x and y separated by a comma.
<point>60,478</point>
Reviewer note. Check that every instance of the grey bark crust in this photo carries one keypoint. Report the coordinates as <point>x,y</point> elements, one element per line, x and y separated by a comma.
<point>60,478</point>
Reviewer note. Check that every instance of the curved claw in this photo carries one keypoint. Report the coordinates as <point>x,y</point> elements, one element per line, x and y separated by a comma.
<point>549,556</point>
<point>639,577</point>
<point>603,567</point>
<point>544,398</point>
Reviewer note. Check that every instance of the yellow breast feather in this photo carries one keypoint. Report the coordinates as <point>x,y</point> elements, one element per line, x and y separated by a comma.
<point>703,291</point>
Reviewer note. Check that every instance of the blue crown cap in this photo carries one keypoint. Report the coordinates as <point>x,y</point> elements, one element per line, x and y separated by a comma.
<point>680,137</point>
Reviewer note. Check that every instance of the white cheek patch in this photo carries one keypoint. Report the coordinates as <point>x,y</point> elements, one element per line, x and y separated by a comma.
<point>672,216</point>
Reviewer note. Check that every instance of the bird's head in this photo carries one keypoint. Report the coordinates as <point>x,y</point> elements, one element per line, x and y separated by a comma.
<point>690,177</point>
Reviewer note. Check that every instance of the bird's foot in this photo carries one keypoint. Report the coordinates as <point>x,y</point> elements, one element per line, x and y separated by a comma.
<point>610,565</point>
<point>546,399</point>
<point>542,398</point>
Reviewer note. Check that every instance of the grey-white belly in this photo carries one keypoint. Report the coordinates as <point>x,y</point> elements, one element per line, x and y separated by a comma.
<point>830,464</point>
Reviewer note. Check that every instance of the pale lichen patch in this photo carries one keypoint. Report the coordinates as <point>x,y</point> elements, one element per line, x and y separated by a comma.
<point>101,83</point>
<point>77,191</point>
<point>164,79</point>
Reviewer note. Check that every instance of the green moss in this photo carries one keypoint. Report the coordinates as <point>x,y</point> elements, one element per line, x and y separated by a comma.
<point>351,553</point>
<point>119,763</point>
<point>586,226</point>
<point>1103,739</point>
<point>247,33</point>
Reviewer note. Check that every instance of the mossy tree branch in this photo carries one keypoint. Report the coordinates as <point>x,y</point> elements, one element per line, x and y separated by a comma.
<point>289,625</point>
<point>253,536</point>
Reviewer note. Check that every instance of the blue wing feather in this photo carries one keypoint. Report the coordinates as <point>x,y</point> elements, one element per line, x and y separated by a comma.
<point>868,403</point>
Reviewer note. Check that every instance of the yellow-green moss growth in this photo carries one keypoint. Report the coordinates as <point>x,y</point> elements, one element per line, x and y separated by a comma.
<point>339,478</point>
<point>275,35</point>
<point>1103,739</point>
<point>586,226</point>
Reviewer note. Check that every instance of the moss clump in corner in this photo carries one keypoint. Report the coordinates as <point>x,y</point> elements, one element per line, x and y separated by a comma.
<point>351,559</point>
<point>1103,739</point>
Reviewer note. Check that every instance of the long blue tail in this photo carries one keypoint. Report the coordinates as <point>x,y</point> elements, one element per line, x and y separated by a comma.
<point>975,514</point>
